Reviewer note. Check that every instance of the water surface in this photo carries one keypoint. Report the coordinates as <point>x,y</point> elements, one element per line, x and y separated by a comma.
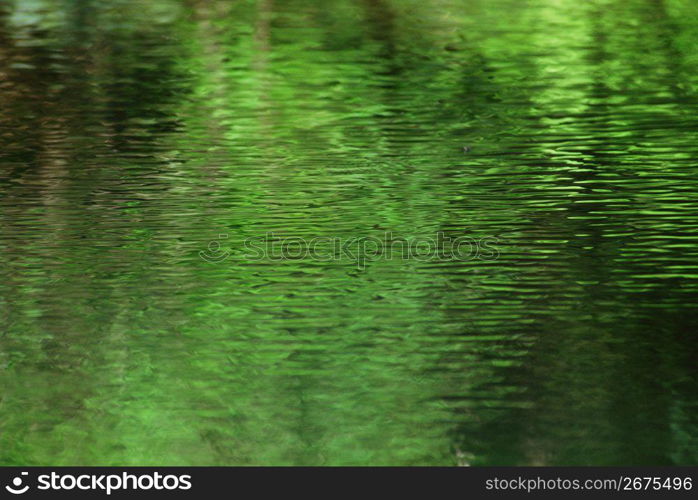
<point>136,135</point>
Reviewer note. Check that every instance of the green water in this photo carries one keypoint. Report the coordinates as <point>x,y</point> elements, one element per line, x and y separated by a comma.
<point>136,135</point>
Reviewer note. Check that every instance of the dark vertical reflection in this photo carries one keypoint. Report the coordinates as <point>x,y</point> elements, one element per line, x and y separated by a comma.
<point>592,396</point>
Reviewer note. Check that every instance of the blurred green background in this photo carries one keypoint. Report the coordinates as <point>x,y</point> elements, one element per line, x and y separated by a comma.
<point>133,134</point>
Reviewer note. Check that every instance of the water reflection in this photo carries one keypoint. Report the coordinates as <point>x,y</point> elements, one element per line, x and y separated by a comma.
<point>132,135</point>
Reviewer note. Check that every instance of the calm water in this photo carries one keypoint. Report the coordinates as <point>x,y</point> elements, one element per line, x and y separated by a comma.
<point>135,135</point>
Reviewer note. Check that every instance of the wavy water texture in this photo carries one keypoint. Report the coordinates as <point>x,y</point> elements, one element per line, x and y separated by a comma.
<point>136,135</point>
